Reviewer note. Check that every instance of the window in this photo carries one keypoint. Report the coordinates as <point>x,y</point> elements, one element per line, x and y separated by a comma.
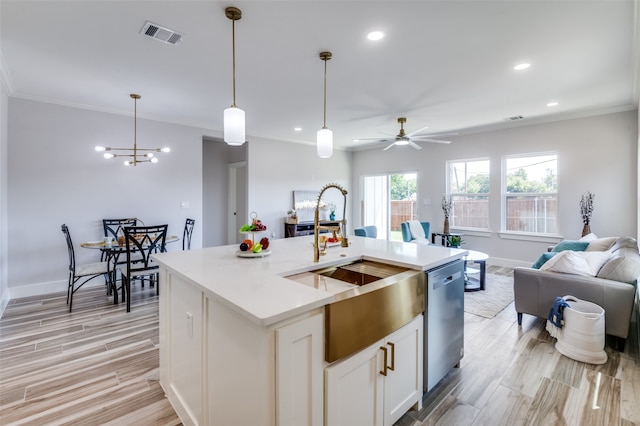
<point>468,186</point>
<point>389,200</point>
<point>530,185</point>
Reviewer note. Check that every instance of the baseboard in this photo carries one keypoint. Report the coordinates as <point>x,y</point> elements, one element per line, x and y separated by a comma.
<point>46,288</point>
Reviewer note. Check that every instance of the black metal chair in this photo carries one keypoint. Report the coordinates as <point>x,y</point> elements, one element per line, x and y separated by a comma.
<point>80,274</point>
<point>186,235</point>
<point>115,227</point>
<point>141,242</point>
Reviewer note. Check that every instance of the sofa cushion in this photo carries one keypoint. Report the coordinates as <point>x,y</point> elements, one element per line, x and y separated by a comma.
<point>571,245</point>
<point>625,243</point>
<point>623,266</point>
<point>543,259</point>
<point>589,237</point>
<point>601,244</point>
<point>577,263</point>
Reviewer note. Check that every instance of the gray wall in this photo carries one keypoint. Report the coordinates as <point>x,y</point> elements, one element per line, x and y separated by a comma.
<point>597,154</point>
<point>56,177</point>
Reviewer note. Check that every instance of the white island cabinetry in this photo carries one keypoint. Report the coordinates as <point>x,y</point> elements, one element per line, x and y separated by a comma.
<point>381,400</point>
<point>241,344</point>
<point>218,368</point>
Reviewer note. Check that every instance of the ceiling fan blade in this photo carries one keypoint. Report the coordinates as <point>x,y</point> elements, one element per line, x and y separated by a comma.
<point>414,145</point>
<point>417,131</point>
<point>421,139</point>
<point>389,146</point>
<point>378,139</point>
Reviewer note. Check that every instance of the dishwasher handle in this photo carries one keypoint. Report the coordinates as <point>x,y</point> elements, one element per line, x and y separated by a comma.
<point>446,281</point>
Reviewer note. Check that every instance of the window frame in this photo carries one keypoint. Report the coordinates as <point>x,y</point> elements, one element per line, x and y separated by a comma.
<point>528,235</point>
<point>487,194</point>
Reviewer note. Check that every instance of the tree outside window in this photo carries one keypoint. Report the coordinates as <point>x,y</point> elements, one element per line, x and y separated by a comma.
<point>468,186</point>
<point>531,193</point>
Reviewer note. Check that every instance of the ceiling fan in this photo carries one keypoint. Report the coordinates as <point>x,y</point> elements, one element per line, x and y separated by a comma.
<point>403,138</point>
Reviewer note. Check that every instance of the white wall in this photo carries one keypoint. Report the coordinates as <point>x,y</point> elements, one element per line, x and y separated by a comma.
<point>597,154</point>
<point>276,169</point>
<point>56,177</point>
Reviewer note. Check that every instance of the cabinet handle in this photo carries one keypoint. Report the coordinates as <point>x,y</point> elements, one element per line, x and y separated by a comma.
<point>393,356</point>
<point>384,362</point>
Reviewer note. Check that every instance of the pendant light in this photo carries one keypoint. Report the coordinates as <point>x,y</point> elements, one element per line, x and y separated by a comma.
<point>133,152</point>
<point>325,136</point>
<point>233,116</point>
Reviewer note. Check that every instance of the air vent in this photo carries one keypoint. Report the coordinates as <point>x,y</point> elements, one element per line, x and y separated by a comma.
<point>162,34</point>
<point>514,118</point>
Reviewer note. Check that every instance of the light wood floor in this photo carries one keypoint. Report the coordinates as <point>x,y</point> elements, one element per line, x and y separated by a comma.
<point>99,365</point>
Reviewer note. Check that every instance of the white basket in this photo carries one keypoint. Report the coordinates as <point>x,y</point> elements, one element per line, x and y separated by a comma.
<point>582,338</point>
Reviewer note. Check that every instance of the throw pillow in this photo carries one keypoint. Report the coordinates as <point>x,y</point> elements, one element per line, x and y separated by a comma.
<point>576,263</point>
<point>571,245</point>
<point>601,244</point>
<point>543,259</point>
<point>589,237</point>
<point>624,268</point>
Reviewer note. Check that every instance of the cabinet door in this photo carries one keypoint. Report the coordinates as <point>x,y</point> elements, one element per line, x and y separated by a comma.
<point>299,368</point>
<point>403,384</point>
<point>354,389</point>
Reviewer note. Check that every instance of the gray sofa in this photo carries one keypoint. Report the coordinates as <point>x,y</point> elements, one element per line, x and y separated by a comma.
<point>613,288</point>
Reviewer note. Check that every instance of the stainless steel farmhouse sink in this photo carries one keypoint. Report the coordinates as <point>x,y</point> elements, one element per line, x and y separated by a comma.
<point>373,299</point>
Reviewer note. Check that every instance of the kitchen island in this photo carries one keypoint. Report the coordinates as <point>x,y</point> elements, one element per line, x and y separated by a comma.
<point>242,344</point>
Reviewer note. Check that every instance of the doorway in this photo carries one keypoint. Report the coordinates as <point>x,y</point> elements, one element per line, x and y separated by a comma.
<point>388,200</point>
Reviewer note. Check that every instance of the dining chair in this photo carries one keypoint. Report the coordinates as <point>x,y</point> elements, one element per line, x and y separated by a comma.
<point>186,234</point>
<point>115,227</point>
<point>141,242</point>
<point>80,274</point>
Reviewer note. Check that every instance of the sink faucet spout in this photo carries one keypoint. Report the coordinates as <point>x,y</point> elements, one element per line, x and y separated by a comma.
<point>336,229</point>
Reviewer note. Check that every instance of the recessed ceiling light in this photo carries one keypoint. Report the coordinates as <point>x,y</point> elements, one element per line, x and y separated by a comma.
<point>550,104</point>
<point>297,129</point>
<point>375,35</point>
<point>356,140</point>
<point>521,67</point>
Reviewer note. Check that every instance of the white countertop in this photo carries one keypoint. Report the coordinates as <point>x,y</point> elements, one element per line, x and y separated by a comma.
<point>256,287</point>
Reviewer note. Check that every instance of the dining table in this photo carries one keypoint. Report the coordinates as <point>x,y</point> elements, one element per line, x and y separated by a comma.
<point>112,251</point>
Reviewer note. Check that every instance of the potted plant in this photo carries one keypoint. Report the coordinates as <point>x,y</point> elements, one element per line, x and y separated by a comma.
<point>454,241</point>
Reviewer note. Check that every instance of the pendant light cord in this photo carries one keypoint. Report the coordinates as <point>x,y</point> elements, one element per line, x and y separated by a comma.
<point>233,53</point>
<point>135,130</point>
<point>324,124</point>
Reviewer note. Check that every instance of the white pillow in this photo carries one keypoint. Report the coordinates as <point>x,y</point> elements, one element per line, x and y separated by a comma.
<point>601,244</point>
<point>577,262</point>
<point>589,237</point>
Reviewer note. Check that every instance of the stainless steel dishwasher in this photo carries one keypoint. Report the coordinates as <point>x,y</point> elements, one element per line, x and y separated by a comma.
<point>443,321</point>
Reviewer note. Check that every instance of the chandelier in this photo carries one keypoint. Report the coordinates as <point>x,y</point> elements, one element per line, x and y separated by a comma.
<point>136,155</point>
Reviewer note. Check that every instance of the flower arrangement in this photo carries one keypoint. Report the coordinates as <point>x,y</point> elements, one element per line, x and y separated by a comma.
<point>446,205</point>
<point>586,210</point>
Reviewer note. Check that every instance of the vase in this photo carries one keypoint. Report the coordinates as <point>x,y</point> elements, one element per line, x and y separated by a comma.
<point>586,229</point>
<point>446,226</point>
<point>332,216</point>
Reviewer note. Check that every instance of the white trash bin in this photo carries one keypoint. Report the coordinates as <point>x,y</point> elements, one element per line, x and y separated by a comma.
<point>582,337</point>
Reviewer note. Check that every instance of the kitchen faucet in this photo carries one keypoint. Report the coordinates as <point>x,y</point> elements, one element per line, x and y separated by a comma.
<point>335,229</point>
